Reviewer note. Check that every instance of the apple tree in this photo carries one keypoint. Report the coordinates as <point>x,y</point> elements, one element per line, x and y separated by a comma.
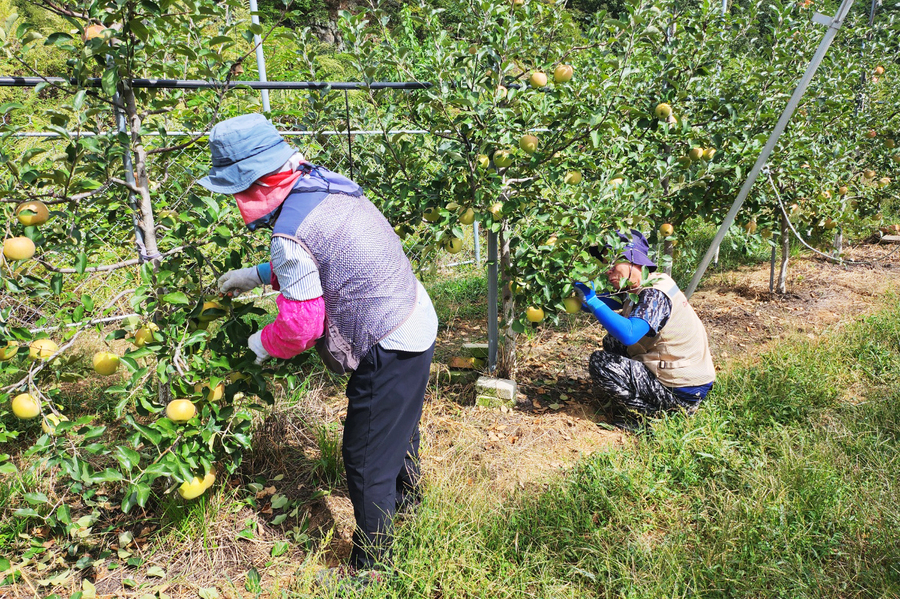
<point>102,221</point>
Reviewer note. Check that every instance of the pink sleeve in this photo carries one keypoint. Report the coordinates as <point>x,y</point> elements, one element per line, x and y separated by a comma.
<point>296,328</point>
<point>274,278</point>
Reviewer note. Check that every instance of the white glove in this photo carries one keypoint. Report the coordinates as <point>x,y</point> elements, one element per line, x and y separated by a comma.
<point>235,282</point>
<point>255,343</point>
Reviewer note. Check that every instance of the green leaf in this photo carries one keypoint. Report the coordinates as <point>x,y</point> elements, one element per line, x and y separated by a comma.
<point>156,572</point>
<point>280,548</point>
<point>209,593</point>
<point>176,297</point>
<point>252,583</point>
<point>80,263</point>
<point>109,80</point>
<point>128,458</point>
<point>35,498</point>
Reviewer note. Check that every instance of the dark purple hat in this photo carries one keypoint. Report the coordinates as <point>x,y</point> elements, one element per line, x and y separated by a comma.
<point>637,249</point>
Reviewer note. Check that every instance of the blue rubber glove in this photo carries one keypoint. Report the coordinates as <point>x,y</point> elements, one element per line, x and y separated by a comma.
<point>627,330</point>
<point>585,292</point>
<point>264,271</point>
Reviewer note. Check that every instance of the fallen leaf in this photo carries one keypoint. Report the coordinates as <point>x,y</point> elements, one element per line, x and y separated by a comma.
<point>88,590</point>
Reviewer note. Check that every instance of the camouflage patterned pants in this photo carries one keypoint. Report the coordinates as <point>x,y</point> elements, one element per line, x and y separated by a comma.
<point>627,384</point>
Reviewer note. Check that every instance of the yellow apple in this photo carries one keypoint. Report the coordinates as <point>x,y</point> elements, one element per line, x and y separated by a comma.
<point>896,157</point>
<point>663,111</point>
<point>502,158</point>
<point>871,133</point>
<point>144,334</point>
<point>482,160</point>
<point>432,214</point>
<point>214,395</point>
<point>843,190</point>
<point>41,349</point>
<point>32,213</point>
<point>501,92</point>
<point>884,181</point>
<point>666,230</point>
<point>615,182</point>
<point>709,153</point>
<point>105,363</point>
<point>695,153</point>
<point>237,376</point>
<point>534,314</point>
<point>197,486</point>
<point>750,227</point>
<point>9,352</point>
<point>180,410</point>
<point>467,217</point>
<point>92,31</point>
<point>50,422</point>
<point>572,178</point>
<point>206,310</point>
<point>890,144</point>
<point>538,79</point>
<point>454,245</point>
<point>25,406</point>
<point>829,224</point>
<point>18,248</point>
<point>551,241</point>
<point>496,210</point>
<point>869,174</point>
<point>473,49</point>
<point>563,73</point>
<point>879,70</point>
<point>572,304</point>
<point>529,143</point>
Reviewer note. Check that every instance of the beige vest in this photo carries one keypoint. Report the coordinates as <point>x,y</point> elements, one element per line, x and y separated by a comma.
<point>679,354</point>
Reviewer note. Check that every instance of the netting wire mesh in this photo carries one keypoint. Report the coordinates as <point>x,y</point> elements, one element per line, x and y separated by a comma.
<point>105,231</point>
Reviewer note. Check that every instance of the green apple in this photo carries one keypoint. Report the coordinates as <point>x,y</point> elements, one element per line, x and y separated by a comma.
<point>503,158</point>
<point>529,143</point>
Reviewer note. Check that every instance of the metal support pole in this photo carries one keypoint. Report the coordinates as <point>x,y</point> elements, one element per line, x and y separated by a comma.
<point>772,270</point>
<point>477,239</point>
<point>834,24</point>
<point>493,316</point>
<point>260,57</point>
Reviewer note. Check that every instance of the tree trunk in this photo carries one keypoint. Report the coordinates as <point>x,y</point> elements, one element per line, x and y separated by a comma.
<point>141,178</point>
<point>149,249</point>
<point>506,364</point>
<point>785,254</point>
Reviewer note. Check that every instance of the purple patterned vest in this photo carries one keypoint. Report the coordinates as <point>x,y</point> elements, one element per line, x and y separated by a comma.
<point>368,284</point>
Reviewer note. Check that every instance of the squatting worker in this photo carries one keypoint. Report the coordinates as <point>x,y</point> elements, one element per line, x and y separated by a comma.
<point>656,356</point>
<point>346,288</point>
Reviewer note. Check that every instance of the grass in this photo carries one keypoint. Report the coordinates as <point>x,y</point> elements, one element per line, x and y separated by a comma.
<point>779,487</point>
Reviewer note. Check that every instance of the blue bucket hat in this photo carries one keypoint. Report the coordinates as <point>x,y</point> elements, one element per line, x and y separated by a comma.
<point>244,148</point>
<point>637,249</point>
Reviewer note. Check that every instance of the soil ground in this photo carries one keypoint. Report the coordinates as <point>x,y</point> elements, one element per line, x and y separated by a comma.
<point>556,421</point>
